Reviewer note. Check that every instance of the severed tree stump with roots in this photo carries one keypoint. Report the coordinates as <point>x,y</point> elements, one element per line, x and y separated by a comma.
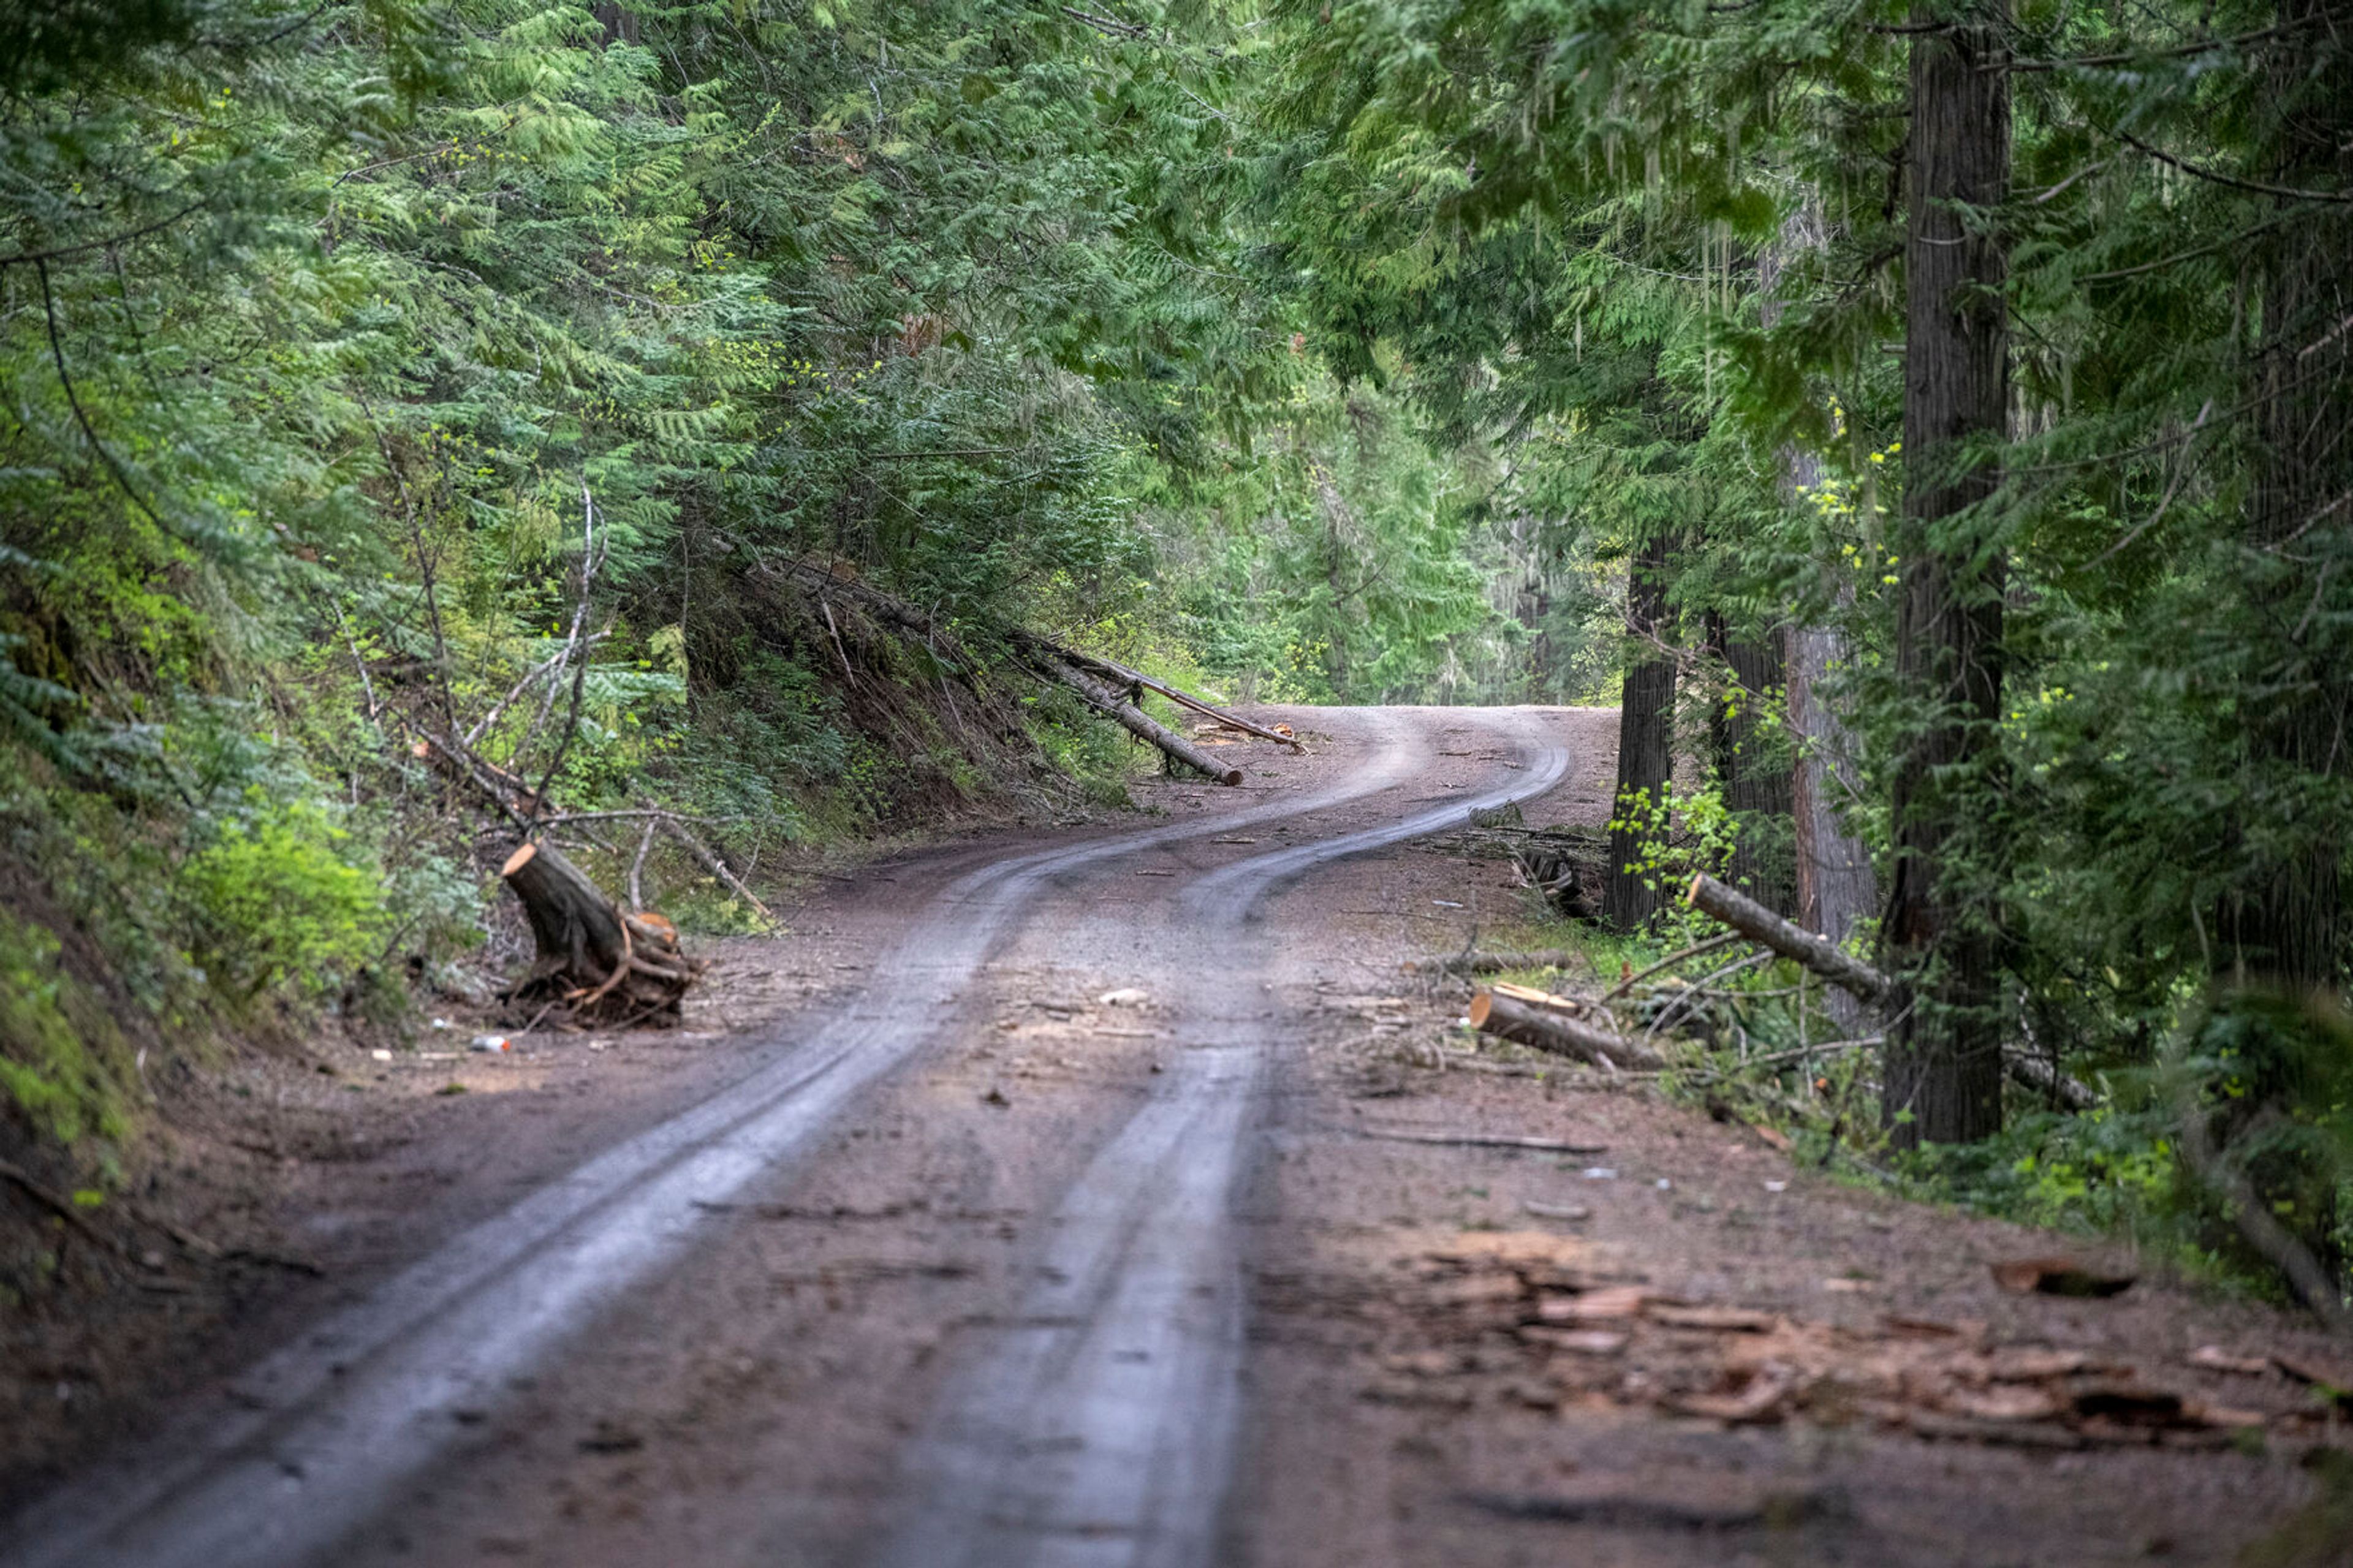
<point>600,963</point>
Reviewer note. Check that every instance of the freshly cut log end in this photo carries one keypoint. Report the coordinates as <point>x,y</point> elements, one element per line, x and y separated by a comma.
<point>1516,1014</point>
<point>599,964</point>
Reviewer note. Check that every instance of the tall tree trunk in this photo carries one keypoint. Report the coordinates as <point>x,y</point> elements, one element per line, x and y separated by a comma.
<point>2286,925</point>
<point>1942,1080</point>
<point>1755,789</point>
<point>1646,718</point>
<point>1835,886</point>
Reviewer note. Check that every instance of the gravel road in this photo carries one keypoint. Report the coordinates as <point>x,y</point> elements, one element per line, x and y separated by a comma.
<point>1091,1423</point>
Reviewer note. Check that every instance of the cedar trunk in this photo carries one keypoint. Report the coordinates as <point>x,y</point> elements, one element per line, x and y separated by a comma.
<point>1755,789</point>
<point>1944,1054</point>
<point>1645,742</point>
<point>1834,884</point>
<point>2285,927</point>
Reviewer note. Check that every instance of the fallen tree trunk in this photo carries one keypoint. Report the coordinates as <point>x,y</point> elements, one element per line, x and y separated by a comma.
<point>1510,1012</point>
<point>1791,941</point>
<point>2045,1080</point>
<point>1140,724</point>
<point>603,964</point>
<point>1127,676</point>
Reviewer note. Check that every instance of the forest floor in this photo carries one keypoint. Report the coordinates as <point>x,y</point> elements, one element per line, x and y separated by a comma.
<point>1043,1199</point>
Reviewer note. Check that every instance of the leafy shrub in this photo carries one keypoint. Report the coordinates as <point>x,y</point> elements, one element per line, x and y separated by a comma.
<point>272,905</point>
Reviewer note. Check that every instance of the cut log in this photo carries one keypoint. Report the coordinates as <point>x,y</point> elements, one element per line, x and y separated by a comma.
<point>1512,1013</point>
<point>1136,722</point>
<point>1791,941</point>
<point>602,964</point>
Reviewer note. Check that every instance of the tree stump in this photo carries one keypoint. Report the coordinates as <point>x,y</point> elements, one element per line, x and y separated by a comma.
<point>602,963</point>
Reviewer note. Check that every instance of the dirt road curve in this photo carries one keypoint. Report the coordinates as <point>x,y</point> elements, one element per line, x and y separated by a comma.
<point>1084,1223</point>
<point>1093,1425</point>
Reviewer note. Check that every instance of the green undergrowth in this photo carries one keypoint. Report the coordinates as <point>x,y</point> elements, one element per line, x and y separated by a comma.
<point>2114,1171</point>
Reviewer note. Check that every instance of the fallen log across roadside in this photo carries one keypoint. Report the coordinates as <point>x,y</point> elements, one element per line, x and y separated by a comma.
<point>1131,678</point>
<point>1129,717</point>
<point>1536,1018</point>
<point>595,959</point>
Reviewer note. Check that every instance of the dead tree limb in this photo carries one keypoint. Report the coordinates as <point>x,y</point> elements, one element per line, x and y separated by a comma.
<point>1127,676</point>
<point>1752,919</point>
<point>710,861</point>
<point>1134,720</point>
<point>1791,941</point>
<point>1694,951</point>
<point>2035,1073</point>
<point>58,1204</point>
<point>1511,1013</point>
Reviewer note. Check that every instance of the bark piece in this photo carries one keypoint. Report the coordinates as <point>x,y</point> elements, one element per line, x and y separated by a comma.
<point>594,959</point>
<point>1606,1305</point>
<point>1506,1015</point>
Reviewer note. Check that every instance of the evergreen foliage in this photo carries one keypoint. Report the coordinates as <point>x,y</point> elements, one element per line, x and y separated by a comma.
<point>365,363</point>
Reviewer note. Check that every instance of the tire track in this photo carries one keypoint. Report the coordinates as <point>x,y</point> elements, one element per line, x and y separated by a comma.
<point>1096,1429</point>
<point>315,1439</point>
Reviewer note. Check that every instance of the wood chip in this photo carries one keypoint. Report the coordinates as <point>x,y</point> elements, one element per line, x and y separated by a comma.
<point>1931,1328</point>
<point>1474,1290</point>
<point>1762,1400</point>
<point>2038,1366</point>
<point>2335,1381</point>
